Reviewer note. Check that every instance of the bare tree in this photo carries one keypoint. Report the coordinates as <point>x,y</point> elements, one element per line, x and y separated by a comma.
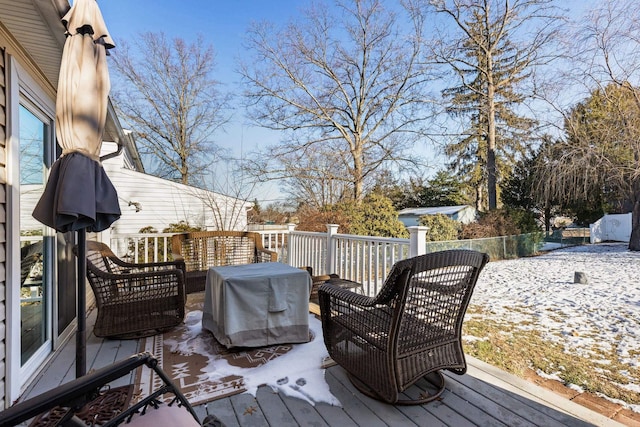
<point>230,195</point>
<point>317,179</point>
<point>492,47</point>
<point>601,151</point>
<point>165,92</point>
<point>343,82</point>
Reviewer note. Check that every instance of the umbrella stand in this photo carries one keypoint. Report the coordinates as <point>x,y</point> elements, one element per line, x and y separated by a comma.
<point>81,335</point>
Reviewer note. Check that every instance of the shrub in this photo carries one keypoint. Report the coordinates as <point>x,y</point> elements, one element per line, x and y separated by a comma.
<point>500,222</point>
<point>180,227</point>
<point>316,219</point>
<point>374,216</point>
<point>441,227</point>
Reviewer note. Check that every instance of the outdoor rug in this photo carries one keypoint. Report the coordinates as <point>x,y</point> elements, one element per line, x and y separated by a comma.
<point>205,370</point>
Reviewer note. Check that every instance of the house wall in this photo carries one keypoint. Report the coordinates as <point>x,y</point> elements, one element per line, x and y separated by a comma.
<point>3,217</point>
<point>409,220</point>
<point>147,200</point>
<point>466,215</point>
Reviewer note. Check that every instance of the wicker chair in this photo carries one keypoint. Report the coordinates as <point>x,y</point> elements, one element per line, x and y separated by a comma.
<point>90,400</point>
<point>134,300</point>
<point>410,330</point>
<point>200,250</point>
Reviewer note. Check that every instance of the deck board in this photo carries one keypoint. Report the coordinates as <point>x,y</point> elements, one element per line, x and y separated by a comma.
<point>388,414</point>
<point>526,408</point>
<point>303,413</point>
<point>274,409</point>
<point>527,399</point>
<point>223,410</point>
<point>492,413</point>
<point>248,411</point>
<point>485,396</point>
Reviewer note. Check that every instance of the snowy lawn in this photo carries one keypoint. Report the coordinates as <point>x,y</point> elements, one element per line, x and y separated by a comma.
<point>594,326</point>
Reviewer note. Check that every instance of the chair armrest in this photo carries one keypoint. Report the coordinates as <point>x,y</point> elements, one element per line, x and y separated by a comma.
<point>75,393</point>
<point>160,265</point>
<point>155,282</point>
<point>79,392</point>
<point>178,272</point>
<point>343,310</point>
<point>328,291</point>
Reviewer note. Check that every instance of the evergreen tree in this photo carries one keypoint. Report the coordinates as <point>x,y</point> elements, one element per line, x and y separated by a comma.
<point>491,63</point>
<point>445,189</point>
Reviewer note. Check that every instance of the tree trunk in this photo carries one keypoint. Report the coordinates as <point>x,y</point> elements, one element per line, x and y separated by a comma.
<point>547,218</point>
<point>492,187</point>
<point>358,171</point>
<point>634,241</point>
<point>479,206</point>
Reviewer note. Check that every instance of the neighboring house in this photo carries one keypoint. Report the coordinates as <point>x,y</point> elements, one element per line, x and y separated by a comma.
<point>464,213</point>
<point>38,303</point>
<point>146,200</point>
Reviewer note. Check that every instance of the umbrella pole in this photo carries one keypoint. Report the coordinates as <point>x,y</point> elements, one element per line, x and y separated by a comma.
<point>81,338</point>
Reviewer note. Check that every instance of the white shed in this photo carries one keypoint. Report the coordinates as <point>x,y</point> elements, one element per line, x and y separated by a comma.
<point>463,213</point>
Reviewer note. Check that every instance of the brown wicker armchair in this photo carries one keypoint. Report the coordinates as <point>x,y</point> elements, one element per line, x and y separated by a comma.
<point>200,250</point>
<point>134,300</point>
<point>410,330</point>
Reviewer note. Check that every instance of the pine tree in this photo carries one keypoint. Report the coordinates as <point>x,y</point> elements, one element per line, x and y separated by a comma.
<point>491,67</point>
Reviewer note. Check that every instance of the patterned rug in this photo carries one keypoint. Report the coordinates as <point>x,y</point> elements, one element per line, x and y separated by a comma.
<point>188,354</point>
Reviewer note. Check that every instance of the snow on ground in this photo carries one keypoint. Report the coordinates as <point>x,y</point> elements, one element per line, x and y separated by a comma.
<point>297,373</point>
<point>536,292</point>
<point>539,292</point>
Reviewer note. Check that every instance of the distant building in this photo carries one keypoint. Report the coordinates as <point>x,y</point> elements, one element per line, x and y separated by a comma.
<point>464,213</point>
<point>147,200</point>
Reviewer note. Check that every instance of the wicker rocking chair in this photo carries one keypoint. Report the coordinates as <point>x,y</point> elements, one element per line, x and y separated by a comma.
<point>200,250</point>
<point>409,331</point>
<point>134,300</point>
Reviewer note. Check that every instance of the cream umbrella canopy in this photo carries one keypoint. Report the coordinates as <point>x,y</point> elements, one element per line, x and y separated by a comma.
<point>79,196</point>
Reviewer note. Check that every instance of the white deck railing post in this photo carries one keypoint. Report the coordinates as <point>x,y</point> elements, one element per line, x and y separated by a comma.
<point>417,240</point>
<point>290,229</point>
<point>330,262</point>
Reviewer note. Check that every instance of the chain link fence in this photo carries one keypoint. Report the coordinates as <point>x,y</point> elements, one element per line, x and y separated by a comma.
<point>504,247</point>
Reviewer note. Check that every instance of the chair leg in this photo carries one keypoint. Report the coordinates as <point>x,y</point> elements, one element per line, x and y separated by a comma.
<point>434,378</point>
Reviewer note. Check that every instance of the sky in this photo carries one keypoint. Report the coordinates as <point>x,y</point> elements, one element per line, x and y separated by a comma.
<point>223,24</point>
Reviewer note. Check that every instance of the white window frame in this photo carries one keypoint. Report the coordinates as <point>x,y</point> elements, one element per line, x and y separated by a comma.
<point>23,89</point>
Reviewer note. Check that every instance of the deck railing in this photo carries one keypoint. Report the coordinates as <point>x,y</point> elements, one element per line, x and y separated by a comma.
<point>364,259</point>
<point>142,247</point>
<point>360,258</point>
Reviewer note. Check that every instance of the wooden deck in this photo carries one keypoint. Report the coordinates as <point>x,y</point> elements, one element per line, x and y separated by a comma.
<point>485,396</point>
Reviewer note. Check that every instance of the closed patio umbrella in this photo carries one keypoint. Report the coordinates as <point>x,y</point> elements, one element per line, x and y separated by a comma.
<point>79,196</point>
